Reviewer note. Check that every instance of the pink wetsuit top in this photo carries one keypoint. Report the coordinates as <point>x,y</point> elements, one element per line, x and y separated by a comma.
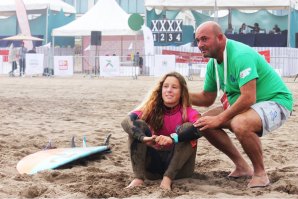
<point>173,119</point>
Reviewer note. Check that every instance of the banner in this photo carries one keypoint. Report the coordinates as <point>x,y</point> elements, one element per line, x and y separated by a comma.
<point>187,57</point>
<point>109,66</point>
<point>63,65</point>
<point>4,54</point>
<point>166,31</point>
<point>197,58</point>
<point>266,54</point>
<point>148,41</point>
<point>34,64</point>
<point>1,64</point>
<point>23,21</point>
<point>164,64</point>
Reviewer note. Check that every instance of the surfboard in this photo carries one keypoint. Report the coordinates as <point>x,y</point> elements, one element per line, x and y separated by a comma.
<point>53,158</point>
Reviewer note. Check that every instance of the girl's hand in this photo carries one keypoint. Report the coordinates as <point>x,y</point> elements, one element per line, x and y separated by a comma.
<point>149,141</point>
<point>163,140</point>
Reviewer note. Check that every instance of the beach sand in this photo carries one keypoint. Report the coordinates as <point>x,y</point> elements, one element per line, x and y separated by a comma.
<point>35,110</point>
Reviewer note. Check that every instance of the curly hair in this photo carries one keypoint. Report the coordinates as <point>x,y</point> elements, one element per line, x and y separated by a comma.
<point>152,107</point>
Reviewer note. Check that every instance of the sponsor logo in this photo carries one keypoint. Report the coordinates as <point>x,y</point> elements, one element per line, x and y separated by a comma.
<point>63,64</point>
<point>245,72</point>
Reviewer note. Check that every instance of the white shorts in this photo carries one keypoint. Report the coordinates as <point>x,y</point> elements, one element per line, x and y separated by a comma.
<point>272,114</point>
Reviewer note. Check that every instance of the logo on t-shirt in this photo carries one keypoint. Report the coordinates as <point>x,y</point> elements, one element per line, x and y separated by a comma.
<point>245,73</point>
<point>232,78</point>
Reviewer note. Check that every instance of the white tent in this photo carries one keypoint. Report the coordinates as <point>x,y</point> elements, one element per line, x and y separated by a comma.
<point>219,4</point>
<point>8,8</point>
<point>106,16</point>
<point>224,5</point>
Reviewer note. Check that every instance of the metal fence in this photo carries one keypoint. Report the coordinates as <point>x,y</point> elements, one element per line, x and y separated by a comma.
<point>283,60</point>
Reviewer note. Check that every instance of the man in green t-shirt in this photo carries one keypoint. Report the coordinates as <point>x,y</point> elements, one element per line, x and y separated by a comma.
<point>257,103</point>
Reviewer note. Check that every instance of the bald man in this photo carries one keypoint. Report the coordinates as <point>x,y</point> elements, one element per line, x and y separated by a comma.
<point>255,102</point>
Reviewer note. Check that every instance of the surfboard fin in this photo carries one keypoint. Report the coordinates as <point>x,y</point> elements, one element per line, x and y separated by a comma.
<point>49,145</point>
<point>107,140</point>
<point>73,144</point>
<point>84,142</point>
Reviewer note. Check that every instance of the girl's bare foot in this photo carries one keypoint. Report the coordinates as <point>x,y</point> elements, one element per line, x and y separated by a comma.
<point>135,183</point>
<point>166,183</point>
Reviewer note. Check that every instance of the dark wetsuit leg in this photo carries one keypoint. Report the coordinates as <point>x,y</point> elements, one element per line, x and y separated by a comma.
<point>183,159</point>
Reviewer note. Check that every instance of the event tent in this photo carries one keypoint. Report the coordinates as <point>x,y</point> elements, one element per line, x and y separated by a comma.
<point>8,8</point>
<point>290,5</point>
<point>46,15</point>
<point>106,16</point>
<point>220,4</point>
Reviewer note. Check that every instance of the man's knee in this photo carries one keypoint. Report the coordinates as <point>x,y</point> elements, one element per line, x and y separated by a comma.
<point>242,126</point>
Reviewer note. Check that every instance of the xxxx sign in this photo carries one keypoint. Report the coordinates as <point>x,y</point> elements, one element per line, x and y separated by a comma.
<point>167,30</point>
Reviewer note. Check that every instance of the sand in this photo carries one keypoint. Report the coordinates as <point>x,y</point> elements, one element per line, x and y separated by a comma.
<point>35,110</point>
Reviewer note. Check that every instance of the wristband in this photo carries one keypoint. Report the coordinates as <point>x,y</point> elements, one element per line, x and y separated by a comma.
<point>174,136</point>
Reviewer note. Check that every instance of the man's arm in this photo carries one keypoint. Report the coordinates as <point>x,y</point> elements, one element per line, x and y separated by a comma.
<point>202,98</point>
<point>243,103</point>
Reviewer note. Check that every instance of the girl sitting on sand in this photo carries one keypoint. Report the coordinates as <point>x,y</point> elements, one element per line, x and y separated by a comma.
<point>166,116</point>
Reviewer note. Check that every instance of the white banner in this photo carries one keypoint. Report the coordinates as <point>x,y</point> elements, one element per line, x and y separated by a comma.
<point>1,64</point>
<point>148,46</point>
<point>129,71</point>
<point>164,64</point>
<point>148,40</point>
<point>63,65</point>
<point>34,64</point>
<point>109,66</point>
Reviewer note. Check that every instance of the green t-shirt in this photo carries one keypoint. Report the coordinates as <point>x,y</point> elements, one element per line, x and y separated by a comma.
<point>245,64</point>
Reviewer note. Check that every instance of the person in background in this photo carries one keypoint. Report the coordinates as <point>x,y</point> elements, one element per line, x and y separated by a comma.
<point>33,50</point>
<point>276,29</point>
<point>13,58</point>
<point>157,131</point>
<point>255,28</point>
<point>230,29</point>
<point>243,29</point>
<point>141,63</point>
<point>136,59</point>
<point>22,59</point>
<point>251,109</point>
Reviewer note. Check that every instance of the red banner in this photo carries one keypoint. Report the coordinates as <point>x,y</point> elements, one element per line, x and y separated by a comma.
<point>187,57</point>
<point>4,53</point>
<point>266,54</point>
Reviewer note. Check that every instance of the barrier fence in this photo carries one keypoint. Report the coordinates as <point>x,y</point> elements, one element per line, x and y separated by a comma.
<point>186,60</point>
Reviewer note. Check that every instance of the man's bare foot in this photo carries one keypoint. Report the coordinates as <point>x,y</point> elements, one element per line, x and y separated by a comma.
<point>259,181</point>
<point>166,183</point>
<point>135,183</point>
<point>241,172</point>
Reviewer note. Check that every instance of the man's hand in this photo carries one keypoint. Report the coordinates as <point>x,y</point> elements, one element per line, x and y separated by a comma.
<point>208,122</point>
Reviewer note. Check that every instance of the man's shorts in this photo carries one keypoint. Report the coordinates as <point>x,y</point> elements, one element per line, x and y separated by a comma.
<point>273,115</point>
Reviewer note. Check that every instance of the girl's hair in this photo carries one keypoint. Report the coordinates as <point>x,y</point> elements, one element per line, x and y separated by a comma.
<point>152,107</point>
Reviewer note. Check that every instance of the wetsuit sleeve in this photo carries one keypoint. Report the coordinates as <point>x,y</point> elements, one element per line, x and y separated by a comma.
<point>188,133</point>
<point>128,125</point>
